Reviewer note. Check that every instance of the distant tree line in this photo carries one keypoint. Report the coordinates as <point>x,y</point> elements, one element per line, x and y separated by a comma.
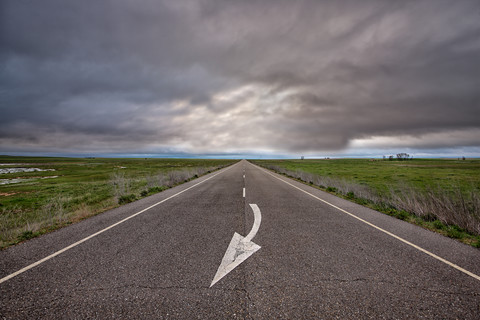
<point>400,156</point>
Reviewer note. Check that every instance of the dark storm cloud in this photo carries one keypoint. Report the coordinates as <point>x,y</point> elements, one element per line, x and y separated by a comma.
<point>226,76</point>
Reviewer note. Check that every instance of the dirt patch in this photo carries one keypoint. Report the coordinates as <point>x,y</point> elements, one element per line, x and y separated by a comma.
<point>6,194</point>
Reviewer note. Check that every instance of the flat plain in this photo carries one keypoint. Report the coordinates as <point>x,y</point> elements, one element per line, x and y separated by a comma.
<point>442,195</point>
<point>40,194</point>
<point>383,175</point>
<point>320,257</point>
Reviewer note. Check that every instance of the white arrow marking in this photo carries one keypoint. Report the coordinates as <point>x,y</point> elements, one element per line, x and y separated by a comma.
<point>256,223</point>
<point>239,249</point>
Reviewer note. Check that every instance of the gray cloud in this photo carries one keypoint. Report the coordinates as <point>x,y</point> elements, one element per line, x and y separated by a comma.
<point>238,76</point>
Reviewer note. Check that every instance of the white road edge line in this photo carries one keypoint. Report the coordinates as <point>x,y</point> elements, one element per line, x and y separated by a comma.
<point>453,265</point>
<point>10,276</point>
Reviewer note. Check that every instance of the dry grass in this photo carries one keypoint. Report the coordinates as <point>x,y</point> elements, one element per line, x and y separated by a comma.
<point>450,207</point>
<point>57,209</point>
<point>120,184</point>
<point>26,224</point>
<point>175,177</point>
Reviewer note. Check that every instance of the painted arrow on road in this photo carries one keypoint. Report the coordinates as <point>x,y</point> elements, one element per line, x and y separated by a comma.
<point>239,249</point>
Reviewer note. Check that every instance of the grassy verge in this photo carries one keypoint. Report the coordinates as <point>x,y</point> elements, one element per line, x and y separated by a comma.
<point>439,195</point>
<point>39,195</point>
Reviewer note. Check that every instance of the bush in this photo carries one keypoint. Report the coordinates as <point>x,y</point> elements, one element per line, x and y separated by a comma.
<point>120,184</point>
<point>155,189</point>
<point>476,244</point>
<point>26,235</point>
<point>454,233</point>
<point>127,198</point>
<point>438,224</point>
<point>402,215</point>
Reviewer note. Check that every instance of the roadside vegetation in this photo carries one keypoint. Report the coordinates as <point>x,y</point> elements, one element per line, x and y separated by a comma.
<point>437,194</point>
<point>39,195</point>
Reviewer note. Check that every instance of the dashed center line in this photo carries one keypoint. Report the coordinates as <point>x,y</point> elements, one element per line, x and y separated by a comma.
<point>244,192</point>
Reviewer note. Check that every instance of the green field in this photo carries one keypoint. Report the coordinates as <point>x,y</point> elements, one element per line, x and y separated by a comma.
<point>70,189</point>
<point>442,195</point>
<point>384,175</point>
<point>439,194</point>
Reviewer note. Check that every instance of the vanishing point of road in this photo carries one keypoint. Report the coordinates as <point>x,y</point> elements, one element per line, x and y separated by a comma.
<point>240,243</point>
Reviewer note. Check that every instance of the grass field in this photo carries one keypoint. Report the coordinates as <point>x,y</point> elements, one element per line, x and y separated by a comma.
<point>38,195</point>
<point>439,194</point>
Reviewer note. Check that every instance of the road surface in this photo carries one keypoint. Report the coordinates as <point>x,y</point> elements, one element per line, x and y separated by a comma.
<point>297,253</point>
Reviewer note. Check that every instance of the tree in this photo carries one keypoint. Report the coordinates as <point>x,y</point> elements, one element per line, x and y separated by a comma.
<point>403,156</point>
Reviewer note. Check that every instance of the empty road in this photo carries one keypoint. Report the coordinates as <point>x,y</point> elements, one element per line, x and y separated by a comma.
<point>240,243</point>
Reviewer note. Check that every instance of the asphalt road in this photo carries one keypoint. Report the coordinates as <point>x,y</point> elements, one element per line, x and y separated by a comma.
<point>315,261</point>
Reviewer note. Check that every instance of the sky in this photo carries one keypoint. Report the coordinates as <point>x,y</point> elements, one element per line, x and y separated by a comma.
<point>249,79</point>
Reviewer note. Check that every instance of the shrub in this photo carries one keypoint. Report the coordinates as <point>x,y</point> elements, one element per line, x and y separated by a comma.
<point>454,233</point>
<point>438,224</point>
<point>120,184</point>
<point>127,198</point>
<point>155,189</point>
<point>402,215</point>
<point>26,235</point>
<point>331,189</point>
<point>54,210</point>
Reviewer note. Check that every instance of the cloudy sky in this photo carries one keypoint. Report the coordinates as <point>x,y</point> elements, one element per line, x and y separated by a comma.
<point>261,78</point>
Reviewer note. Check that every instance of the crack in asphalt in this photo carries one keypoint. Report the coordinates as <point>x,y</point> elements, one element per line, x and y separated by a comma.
<point>162,288</point>
<point>248,301</point>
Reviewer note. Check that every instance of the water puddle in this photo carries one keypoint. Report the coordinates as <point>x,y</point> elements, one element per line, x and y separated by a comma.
<point>19,180</point>
<point>18,170</point>
<point>9,181</point>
